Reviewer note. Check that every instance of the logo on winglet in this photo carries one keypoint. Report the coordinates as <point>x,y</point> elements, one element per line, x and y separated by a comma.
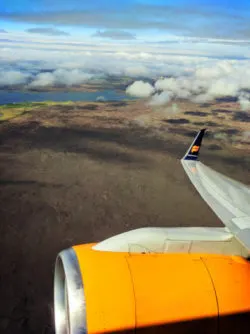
<point>195,149</point>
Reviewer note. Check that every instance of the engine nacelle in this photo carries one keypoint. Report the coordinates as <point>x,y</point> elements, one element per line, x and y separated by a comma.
<point>119,292</point>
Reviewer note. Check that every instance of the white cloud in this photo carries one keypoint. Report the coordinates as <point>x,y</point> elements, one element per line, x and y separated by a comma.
<point>168,84</point>
<point>140,89</point>
<point>136,70</point>
<point>223,87</point>
<point>100,98</point>
<point>10,78</point>
<point>160,99</point>
<point>42,80</point>
<point>61,77</point>
<point>244,101</point>
<point>202,98</point>
<point>205,83</point>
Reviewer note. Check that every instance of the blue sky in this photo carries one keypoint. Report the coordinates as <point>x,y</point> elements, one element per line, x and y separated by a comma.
<point>128,19</point>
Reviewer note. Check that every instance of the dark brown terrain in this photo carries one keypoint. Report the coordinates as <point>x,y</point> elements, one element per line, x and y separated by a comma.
<point>82,172</point>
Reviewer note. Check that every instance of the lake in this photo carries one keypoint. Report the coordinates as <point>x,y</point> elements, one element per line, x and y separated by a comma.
<point>20,96</point>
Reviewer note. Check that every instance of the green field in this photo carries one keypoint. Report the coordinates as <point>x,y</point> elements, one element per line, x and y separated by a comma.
<point>13,110</point>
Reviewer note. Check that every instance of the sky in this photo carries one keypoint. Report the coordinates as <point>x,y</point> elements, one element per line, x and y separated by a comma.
<point>44,42</point>
<point>229,19</point>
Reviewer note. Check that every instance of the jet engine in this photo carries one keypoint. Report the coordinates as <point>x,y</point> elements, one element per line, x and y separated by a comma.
<point>98,291</point>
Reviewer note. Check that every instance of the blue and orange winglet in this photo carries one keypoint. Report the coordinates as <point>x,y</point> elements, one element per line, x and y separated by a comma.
<point>193,151</point>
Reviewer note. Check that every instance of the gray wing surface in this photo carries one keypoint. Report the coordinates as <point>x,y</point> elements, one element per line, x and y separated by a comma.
<point>229,199</point>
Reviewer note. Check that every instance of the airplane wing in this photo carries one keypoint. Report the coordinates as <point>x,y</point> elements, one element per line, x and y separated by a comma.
<point>125,284</point>
<point>229,199</point>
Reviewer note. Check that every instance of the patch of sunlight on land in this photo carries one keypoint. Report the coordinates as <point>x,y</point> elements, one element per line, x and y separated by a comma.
<point>10,111</point>
<point>13,110</point>
<point>52,103</point>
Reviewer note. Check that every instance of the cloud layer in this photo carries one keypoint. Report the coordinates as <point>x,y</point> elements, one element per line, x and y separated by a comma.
<point>47,31</point>
<point>60,77</point>
<point>12,77</point>
<point>115,34</point>
<point>227,78</point>
<point>199,72</point>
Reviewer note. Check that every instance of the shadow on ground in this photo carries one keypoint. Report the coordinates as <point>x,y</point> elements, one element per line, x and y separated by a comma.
<point>241,116</point>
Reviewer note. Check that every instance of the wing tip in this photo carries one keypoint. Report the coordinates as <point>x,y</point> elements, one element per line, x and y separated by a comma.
<point>193,151</point>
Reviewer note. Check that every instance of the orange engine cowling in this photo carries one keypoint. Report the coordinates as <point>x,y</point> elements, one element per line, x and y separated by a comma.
<point>109,292</point>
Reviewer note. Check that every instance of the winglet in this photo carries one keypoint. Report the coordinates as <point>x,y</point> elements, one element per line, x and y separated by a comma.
<point>193,151</point>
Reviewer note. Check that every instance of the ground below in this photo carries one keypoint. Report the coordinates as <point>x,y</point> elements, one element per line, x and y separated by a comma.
<point>82,172</point>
